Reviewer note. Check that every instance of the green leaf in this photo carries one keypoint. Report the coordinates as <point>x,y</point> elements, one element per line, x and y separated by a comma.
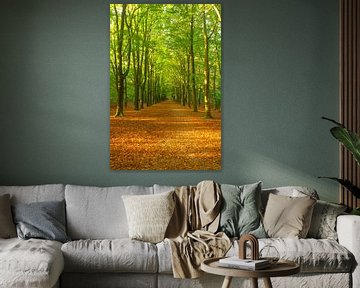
<point>333,121</point>
<point>347,184</point>
<point>348,138</point>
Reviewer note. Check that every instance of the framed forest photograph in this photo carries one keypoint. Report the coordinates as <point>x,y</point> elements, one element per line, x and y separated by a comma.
<point>165,86</point>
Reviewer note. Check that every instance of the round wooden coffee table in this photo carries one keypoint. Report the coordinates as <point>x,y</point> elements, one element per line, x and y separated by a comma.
<point>281,268</point>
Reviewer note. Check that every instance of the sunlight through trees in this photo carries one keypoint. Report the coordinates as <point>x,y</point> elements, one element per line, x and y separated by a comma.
<point>165,51</point>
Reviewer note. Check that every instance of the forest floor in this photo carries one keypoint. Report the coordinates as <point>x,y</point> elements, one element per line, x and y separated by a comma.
<point>165,136</point>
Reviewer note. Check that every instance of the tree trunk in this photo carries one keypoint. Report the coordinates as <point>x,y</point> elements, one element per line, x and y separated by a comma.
<point>121,74</point>
<point>120,103</point>
<point>207,101</point>
<point>192,60</point>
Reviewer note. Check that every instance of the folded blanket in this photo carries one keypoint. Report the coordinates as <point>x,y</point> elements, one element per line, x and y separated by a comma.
<point>190,251</point>
<point>191,231</point>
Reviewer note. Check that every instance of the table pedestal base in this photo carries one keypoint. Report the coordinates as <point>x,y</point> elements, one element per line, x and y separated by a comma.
<point>227,282</point>
<point>228,279</point>
<point>280,269</point>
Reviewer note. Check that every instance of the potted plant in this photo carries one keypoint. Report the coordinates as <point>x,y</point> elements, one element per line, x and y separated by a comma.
<point>351,142</point>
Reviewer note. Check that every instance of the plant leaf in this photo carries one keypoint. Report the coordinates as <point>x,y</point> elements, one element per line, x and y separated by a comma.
<point>347,184</point>
<point>348,138</point>
<point>333,121</point>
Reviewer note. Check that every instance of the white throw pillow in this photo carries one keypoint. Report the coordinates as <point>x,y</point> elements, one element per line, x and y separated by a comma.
<point>149,215</point>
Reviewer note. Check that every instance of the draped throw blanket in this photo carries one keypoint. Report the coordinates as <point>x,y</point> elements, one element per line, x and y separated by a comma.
<point>191,232</point>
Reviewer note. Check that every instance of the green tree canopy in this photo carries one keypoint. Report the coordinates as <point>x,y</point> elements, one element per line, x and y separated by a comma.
<point>165,51</point>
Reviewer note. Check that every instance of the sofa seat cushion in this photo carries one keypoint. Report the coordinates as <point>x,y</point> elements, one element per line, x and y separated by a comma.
<point>30,263</point>
<point>164,257</point>
<point>110,255</point>
<point>313,255</point>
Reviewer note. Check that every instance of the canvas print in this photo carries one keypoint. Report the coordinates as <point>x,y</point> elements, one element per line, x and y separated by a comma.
<point>165,86</point>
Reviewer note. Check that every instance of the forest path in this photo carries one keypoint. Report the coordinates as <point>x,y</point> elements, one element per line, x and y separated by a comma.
<point>165,136</point>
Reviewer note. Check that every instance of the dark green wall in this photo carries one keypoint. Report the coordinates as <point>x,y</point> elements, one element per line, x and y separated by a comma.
<point>280,75</point>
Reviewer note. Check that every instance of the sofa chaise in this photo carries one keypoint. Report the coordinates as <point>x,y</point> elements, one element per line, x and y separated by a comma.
<point>99,252</point>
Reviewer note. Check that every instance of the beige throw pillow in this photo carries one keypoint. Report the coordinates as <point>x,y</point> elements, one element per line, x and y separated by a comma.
<point>288,217</point>
<point>149,215</point>
<point>7,226</point>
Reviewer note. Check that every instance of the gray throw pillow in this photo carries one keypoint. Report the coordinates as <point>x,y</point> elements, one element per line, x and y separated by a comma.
<point>7,226</point>
<point>44,220</point>
<point>240,213</point>
<point>323,222</point>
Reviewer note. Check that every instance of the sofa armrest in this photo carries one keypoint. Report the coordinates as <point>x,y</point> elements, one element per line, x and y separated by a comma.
<point>348,230</point>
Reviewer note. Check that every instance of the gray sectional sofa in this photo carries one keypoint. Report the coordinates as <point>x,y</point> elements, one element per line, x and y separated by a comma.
<point>101,254</point>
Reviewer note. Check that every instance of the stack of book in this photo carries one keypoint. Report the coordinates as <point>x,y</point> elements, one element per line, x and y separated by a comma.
<point>248,264</point>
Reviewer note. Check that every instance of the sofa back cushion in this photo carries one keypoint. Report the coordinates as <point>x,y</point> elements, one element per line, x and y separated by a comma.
<point>163,188</point>
<point>7,226</point>
<point>98,212</point>
<point>35,193</point>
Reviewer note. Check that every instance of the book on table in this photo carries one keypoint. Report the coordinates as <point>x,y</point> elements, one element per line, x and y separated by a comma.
<point>249,264</point>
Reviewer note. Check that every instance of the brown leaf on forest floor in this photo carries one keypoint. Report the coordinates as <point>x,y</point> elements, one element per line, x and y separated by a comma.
<point>165,136</point>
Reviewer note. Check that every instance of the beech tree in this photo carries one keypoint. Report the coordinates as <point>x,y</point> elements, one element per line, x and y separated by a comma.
<point>120,52</point>
<point>166,51</point>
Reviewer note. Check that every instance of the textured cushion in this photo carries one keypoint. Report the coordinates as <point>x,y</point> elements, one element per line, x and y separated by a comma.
<point>323,222</point>
<point>117,255</point>
<point>313,255</point>
<point>31,263</point>
<point>35,193</point>
<point>7,227</point>
<point>149,215</point>
<point>44,220</point>
<point>240,210</point>
<point>287,216</point>
<point>98,213</point>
